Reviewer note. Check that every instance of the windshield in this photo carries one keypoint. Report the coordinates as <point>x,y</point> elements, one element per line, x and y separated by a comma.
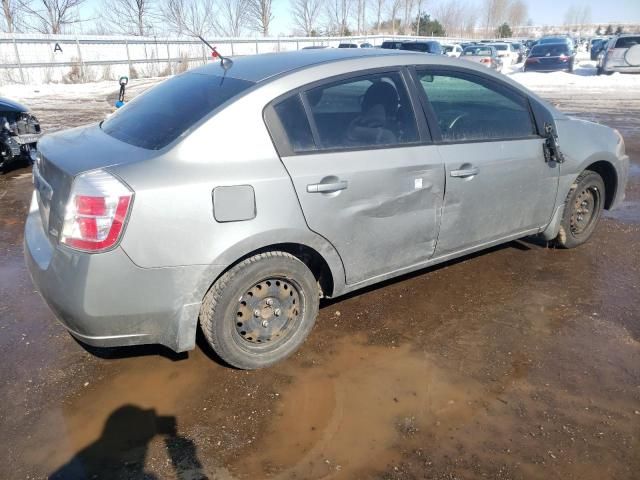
<point>483,51</point>
<point>159,116</point>
<point>552,50</point>
<point>500,47</point>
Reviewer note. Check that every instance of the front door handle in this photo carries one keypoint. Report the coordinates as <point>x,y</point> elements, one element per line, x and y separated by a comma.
<point>327,187</point>
<point>466,172</point>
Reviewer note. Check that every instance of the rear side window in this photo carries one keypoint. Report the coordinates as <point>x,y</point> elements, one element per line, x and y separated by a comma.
<point>627,42</point>
<point>296,126</point>
<point>156,118</point>
<point>367,111</point>
<point>468,108</point>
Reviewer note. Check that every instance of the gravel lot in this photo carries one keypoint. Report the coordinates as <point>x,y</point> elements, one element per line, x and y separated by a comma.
<point>518,362</point>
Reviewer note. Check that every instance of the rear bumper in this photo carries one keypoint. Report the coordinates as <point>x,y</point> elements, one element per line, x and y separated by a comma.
<point>105,300</point>
<point>547,68</point>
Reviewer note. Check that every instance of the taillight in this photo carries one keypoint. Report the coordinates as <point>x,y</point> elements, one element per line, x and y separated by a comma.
<point>532,60</point>
<point>96,212</point>
<point>563,58</point>
<point>485,60</point>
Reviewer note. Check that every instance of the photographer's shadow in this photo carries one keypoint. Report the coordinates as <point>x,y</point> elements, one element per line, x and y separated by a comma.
<point>121,450</point>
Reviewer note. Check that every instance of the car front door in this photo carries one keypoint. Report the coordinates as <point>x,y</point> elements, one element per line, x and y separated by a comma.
<point>366,176</point>
<point>498,183</point>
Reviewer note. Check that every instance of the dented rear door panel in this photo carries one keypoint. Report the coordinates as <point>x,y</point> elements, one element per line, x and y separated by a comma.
<point>388,215</point>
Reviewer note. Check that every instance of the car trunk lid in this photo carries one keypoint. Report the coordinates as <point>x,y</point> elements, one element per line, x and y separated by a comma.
<point>64,155</point>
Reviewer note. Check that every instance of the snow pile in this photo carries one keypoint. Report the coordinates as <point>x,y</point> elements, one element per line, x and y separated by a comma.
<point>584,77</point>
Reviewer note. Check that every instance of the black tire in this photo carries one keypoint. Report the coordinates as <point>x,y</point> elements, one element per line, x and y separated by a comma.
<point>240,324</point>
<point>582,210</point>
<point>598,70</point>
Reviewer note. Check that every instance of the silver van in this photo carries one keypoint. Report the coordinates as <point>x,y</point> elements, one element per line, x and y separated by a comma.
<point>236,195</point>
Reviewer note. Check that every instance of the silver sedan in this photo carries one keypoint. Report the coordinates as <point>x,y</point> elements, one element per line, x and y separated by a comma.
<point>236,195</point>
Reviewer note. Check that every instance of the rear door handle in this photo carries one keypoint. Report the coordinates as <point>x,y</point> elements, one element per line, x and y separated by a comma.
<point>327,187</point>
<point>467,172</point>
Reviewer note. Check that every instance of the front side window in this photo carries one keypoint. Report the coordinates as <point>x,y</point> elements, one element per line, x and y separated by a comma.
<point>468,108</point>
<point>372,110</point>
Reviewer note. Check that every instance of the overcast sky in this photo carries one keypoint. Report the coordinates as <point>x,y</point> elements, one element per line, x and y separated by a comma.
<point>550,12</point>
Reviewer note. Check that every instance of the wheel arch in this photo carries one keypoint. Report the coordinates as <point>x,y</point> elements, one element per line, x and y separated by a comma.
<point>313,250</point>
<point>610,177</point>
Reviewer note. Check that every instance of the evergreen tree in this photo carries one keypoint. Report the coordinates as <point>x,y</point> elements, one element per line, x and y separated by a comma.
<point>428,27</point>
<point>504,31</point>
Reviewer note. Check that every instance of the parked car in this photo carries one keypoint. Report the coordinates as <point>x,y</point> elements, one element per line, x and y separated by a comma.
<point>505,52</point>
<point>620,54</point>
<point>452,50</point>
<point>348,45</point>
<point>596,46</point>
<point>19,133</point>
<point>550,57</point>
<point>483,54</point>
<point>366,45</point>
<point>314,47</point>
<point>429,46</point>
<point>521,51</point>
<point>392,44</point>
<point>236,195</point>
<point>558,39</point>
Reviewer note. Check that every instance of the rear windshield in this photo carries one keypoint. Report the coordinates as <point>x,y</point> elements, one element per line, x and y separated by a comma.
<point>627,42</point>
<point>422,47</point>
<point>156,118</point>
<point>500,47</point>
<point>484,51</point>
<point>549,50</point>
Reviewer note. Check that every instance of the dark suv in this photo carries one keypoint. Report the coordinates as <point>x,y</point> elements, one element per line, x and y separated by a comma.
<point>430,46</point>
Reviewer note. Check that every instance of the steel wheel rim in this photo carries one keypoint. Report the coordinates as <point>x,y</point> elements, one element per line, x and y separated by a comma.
<point>268,313</point>
<point>585,206</point>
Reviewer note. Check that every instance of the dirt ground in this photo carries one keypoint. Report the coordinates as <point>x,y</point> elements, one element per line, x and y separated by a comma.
<point>518,362</point>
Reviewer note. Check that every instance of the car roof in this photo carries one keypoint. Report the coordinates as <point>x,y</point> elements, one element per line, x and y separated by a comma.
<point>256,68</point>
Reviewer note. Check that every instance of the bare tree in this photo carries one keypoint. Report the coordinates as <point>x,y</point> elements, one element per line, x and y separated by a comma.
<point>232,18</point>
<point>306,14</point>
<point>12,16</point>
<point>394,8</point>
<point>132,17</point>
<point>338,13</point>
<point>418,15</point>
<point>470,20</point>
<point>407,18</point>
<point>495,13</point>
<point>190,17</point>
<point>517,13</point>
<point>451,15</point>
<point>380,4</point>
<point>260,15</point>
<point>52,16</point>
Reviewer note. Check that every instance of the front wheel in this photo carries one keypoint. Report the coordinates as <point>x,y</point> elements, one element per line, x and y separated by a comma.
<point>261,310</point>
<point>582,210</point>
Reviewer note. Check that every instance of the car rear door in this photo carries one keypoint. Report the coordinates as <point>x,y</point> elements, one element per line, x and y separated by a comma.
<point>498,183</point>
<point>366,175</point>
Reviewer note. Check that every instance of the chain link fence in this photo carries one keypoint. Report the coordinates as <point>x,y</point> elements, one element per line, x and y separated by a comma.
<point>30,58</point>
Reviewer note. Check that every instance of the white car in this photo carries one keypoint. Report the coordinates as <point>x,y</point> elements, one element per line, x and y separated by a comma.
<point>506,52</point>
<point>451,50</point>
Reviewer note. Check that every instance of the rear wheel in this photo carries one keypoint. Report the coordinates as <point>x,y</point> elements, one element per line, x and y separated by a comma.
<point>261,310</point>
<point>582,210</point>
